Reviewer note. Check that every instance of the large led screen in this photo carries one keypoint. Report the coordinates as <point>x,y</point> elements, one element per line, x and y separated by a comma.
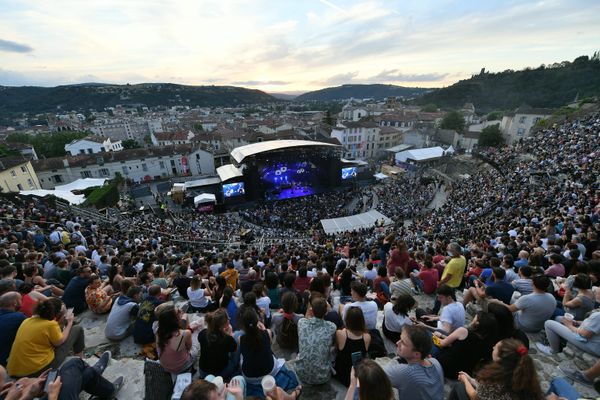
<point>233,189</point>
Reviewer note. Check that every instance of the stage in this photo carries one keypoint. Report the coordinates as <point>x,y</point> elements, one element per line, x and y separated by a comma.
<point>289,193</point>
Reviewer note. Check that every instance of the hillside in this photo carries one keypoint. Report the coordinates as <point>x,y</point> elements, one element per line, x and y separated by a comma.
<point>31,99</point>
<point>546,86</point>
<point>375,91</point>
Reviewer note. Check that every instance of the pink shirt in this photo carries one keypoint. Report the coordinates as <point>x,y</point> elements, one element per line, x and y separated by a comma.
<point>555,270</point>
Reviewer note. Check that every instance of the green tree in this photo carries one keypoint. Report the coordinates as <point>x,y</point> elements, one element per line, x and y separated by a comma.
<point>130,144</point>
<point>198,127</point>
<point>491,136</point>
<point>429,108</point>
<point>495,116</point>
<point>328,119</point>
<point>48,145</point>
<point>453,120</point>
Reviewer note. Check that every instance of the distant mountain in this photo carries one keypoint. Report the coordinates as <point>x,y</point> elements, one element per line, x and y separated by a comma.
<point>32,99</point>
<point>375,91</point>
<point>546,86</point>
<point>284,96</point>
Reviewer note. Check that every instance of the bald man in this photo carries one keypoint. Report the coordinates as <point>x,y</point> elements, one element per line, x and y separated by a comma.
<point>10,321</point>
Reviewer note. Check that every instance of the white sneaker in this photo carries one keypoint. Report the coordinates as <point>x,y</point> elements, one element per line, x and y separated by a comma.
<point>544,349</point>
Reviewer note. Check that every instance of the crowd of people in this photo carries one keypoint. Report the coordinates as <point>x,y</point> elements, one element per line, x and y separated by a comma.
<point>504,258</point>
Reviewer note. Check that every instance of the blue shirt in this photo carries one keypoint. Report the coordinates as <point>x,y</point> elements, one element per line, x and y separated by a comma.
<point>74,296</point>
<point>501,290</point>
<point>521,263</point>
<point>10,321</point>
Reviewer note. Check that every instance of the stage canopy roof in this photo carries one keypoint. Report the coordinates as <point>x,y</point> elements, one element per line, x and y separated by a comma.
<point>430,153</point>
<point>205,198</point>
<point>354,222</point>
<point>228,171</point>
<point>240,153</point>
<point>201,182</point>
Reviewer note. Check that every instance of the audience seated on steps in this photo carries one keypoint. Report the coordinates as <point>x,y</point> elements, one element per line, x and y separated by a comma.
<point>119,324</point>
<point>584,335</point>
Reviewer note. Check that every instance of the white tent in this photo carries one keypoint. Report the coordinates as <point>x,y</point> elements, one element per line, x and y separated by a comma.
<point>205,198</point>
<point>62,194</point>
<point>81,184</point>
<point>354,222</point>
<point>379,176</point>
<point>450,150</point>
<point>430,153</point>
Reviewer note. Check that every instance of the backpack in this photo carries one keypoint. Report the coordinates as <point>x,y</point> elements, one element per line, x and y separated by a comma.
<point>288,339</point>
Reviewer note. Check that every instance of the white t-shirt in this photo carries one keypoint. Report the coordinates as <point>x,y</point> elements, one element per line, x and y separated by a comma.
<point>394,322</point>
<point>453,314</point>
<point>264,304</point>
<point>370,274</point>
<point>369,309</point>
<point>197,298</point>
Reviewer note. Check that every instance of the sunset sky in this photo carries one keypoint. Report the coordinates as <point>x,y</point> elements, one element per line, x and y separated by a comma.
<point>286,45</point>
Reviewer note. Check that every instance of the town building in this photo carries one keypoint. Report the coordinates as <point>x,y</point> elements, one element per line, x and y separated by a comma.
<point>16,174</point>
<point>517,125</point>
<point>92,145</point>
<point>137,165</point>
<point>171,138</point>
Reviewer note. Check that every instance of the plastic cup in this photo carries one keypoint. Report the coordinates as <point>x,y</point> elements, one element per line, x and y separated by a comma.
<point>268,384</point>
<point>218,382</point>
<point>569,317</point>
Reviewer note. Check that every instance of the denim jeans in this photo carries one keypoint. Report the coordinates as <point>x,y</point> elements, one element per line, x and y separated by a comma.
<point>562,388</point>
<point>77,376</point>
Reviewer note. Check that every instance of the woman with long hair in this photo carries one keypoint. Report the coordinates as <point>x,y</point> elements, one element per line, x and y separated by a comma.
<point>176,350</point>
<point>218,347</point>
<point>510,376</point>
<point>464,348</point>
<point>395,316</point>
<point>228,304</point>
<point>371,380</point>
<point>255,346</point>
<point>349,340</point>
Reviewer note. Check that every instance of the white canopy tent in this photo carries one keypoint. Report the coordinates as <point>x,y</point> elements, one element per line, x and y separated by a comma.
<point>61,194</point>
<point>379,176</point>
<point>429,153</point>
<point>81,184</point>
<point>205,198</point>
<point>354,222</point>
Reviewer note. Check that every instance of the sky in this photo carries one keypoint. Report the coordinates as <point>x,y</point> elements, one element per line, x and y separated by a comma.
<point>286,46</point>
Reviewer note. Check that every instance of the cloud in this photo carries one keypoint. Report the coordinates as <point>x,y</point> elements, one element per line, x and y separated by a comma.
<point>260,83</point>
<point>394,75</point>
<point>341,79</point>
<point>14,47</point>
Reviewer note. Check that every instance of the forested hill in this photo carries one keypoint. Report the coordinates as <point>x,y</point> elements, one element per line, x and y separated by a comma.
<point>375,91</point>
<point>546,86</point>
<point>32,99</point>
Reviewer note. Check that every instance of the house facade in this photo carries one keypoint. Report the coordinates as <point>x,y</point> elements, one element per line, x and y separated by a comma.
<point>17,174</point>
<point>136,164</point>
<point>518,125</point>
<point>92,145</point>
